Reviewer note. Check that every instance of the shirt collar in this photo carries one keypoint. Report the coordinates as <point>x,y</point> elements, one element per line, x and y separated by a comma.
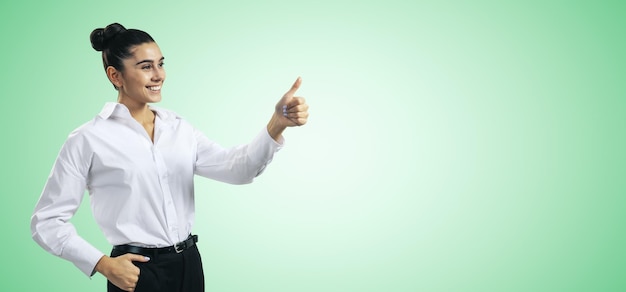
<point>114,109</point>
<point>108,110</point>
<point>164,115</point>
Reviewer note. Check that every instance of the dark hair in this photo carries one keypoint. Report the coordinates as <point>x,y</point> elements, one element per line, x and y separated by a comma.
<point>115,42</point>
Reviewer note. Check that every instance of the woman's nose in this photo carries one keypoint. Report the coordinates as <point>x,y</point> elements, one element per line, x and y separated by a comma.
<point>159,74</point>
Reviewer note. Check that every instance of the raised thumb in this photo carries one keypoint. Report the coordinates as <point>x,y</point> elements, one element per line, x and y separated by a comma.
<point>295,86</point>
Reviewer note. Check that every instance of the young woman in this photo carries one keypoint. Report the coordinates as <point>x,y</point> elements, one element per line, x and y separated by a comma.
<point>138,161</point>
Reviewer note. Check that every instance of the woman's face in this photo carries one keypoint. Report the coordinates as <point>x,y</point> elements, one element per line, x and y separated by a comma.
<point>143,75</point>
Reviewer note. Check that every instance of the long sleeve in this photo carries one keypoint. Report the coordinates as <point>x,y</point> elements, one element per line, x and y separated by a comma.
<point>60,198</point>
<point>236,165</point>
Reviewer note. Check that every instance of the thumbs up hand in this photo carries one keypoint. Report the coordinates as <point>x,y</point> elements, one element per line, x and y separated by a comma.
<point>293,108</point>
<point>290,111</point>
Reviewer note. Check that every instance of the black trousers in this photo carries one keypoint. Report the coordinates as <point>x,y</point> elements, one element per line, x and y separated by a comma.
<point>171,272</point>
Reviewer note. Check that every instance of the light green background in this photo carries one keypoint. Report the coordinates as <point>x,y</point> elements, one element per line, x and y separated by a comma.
<point>452,145</point>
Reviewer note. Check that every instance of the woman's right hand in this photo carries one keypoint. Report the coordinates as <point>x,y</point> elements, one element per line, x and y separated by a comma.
<point>120,270</point>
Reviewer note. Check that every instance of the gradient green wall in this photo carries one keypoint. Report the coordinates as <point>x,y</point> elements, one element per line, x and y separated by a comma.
<point>452,145</point>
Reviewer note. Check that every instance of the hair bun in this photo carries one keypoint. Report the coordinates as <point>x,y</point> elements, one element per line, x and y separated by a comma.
<point>101,37</point>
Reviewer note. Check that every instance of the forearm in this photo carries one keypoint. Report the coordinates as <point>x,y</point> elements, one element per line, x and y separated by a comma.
<point>63,242</point>
<point>236,165</point>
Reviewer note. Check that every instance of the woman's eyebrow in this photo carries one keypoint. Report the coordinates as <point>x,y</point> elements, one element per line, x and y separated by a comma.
<point>148,61</point>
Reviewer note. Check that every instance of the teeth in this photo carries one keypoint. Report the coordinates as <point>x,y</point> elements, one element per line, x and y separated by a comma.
<point>154,88</point>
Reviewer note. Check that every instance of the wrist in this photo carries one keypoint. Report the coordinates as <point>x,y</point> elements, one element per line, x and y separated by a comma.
<point>275,128</point>
<point>102,265</point>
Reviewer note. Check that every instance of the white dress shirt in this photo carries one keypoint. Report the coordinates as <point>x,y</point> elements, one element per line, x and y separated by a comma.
<point>141,192</point>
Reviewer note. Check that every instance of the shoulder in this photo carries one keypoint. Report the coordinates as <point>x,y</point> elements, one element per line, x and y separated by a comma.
<point>77,149</point>
<point>92,128</point>
<point>88,127</point>
<point>80,135</point>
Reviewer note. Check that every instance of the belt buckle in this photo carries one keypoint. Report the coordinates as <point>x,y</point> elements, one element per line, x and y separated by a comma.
<point>180,247</point>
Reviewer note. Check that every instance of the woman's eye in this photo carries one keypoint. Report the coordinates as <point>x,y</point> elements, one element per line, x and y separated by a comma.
<point>161,65</point>
<point>146,67</point>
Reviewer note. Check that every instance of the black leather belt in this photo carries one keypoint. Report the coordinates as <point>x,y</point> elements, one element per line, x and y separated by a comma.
<point>176,248</point>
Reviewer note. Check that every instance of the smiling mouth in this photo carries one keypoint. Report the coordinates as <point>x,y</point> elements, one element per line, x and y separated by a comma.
<point>154,88</point>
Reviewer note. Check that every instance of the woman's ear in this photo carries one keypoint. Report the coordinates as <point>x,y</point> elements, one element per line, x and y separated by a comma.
<point>115,77</point>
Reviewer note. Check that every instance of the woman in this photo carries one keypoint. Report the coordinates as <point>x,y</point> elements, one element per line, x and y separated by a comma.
<point>137,162</point>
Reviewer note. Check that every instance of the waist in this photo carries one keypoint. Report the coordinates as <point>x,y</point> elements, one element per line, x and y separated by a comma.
<point>176,248</point>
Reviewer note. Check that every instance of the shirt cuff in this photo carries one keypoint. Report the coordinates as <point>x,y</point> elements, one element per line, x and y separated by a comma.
<point>278,144</point>
<point>84,255</point>
<point>264,146</point>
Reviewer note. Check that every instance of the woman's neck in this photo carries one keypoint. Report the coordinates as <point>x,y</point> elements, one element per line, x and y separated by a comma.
<point>142,114</point>
<point>139,111</point>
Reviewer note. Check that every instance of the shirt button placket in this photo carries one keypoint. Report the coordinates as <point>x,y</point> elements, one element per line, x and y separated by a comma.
<point>169,208</point>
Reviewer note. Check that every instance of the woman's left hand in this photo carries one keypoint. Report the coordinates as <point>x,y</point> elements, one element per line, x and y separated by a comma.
<point>290,111</point>
<point>293,109</point>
